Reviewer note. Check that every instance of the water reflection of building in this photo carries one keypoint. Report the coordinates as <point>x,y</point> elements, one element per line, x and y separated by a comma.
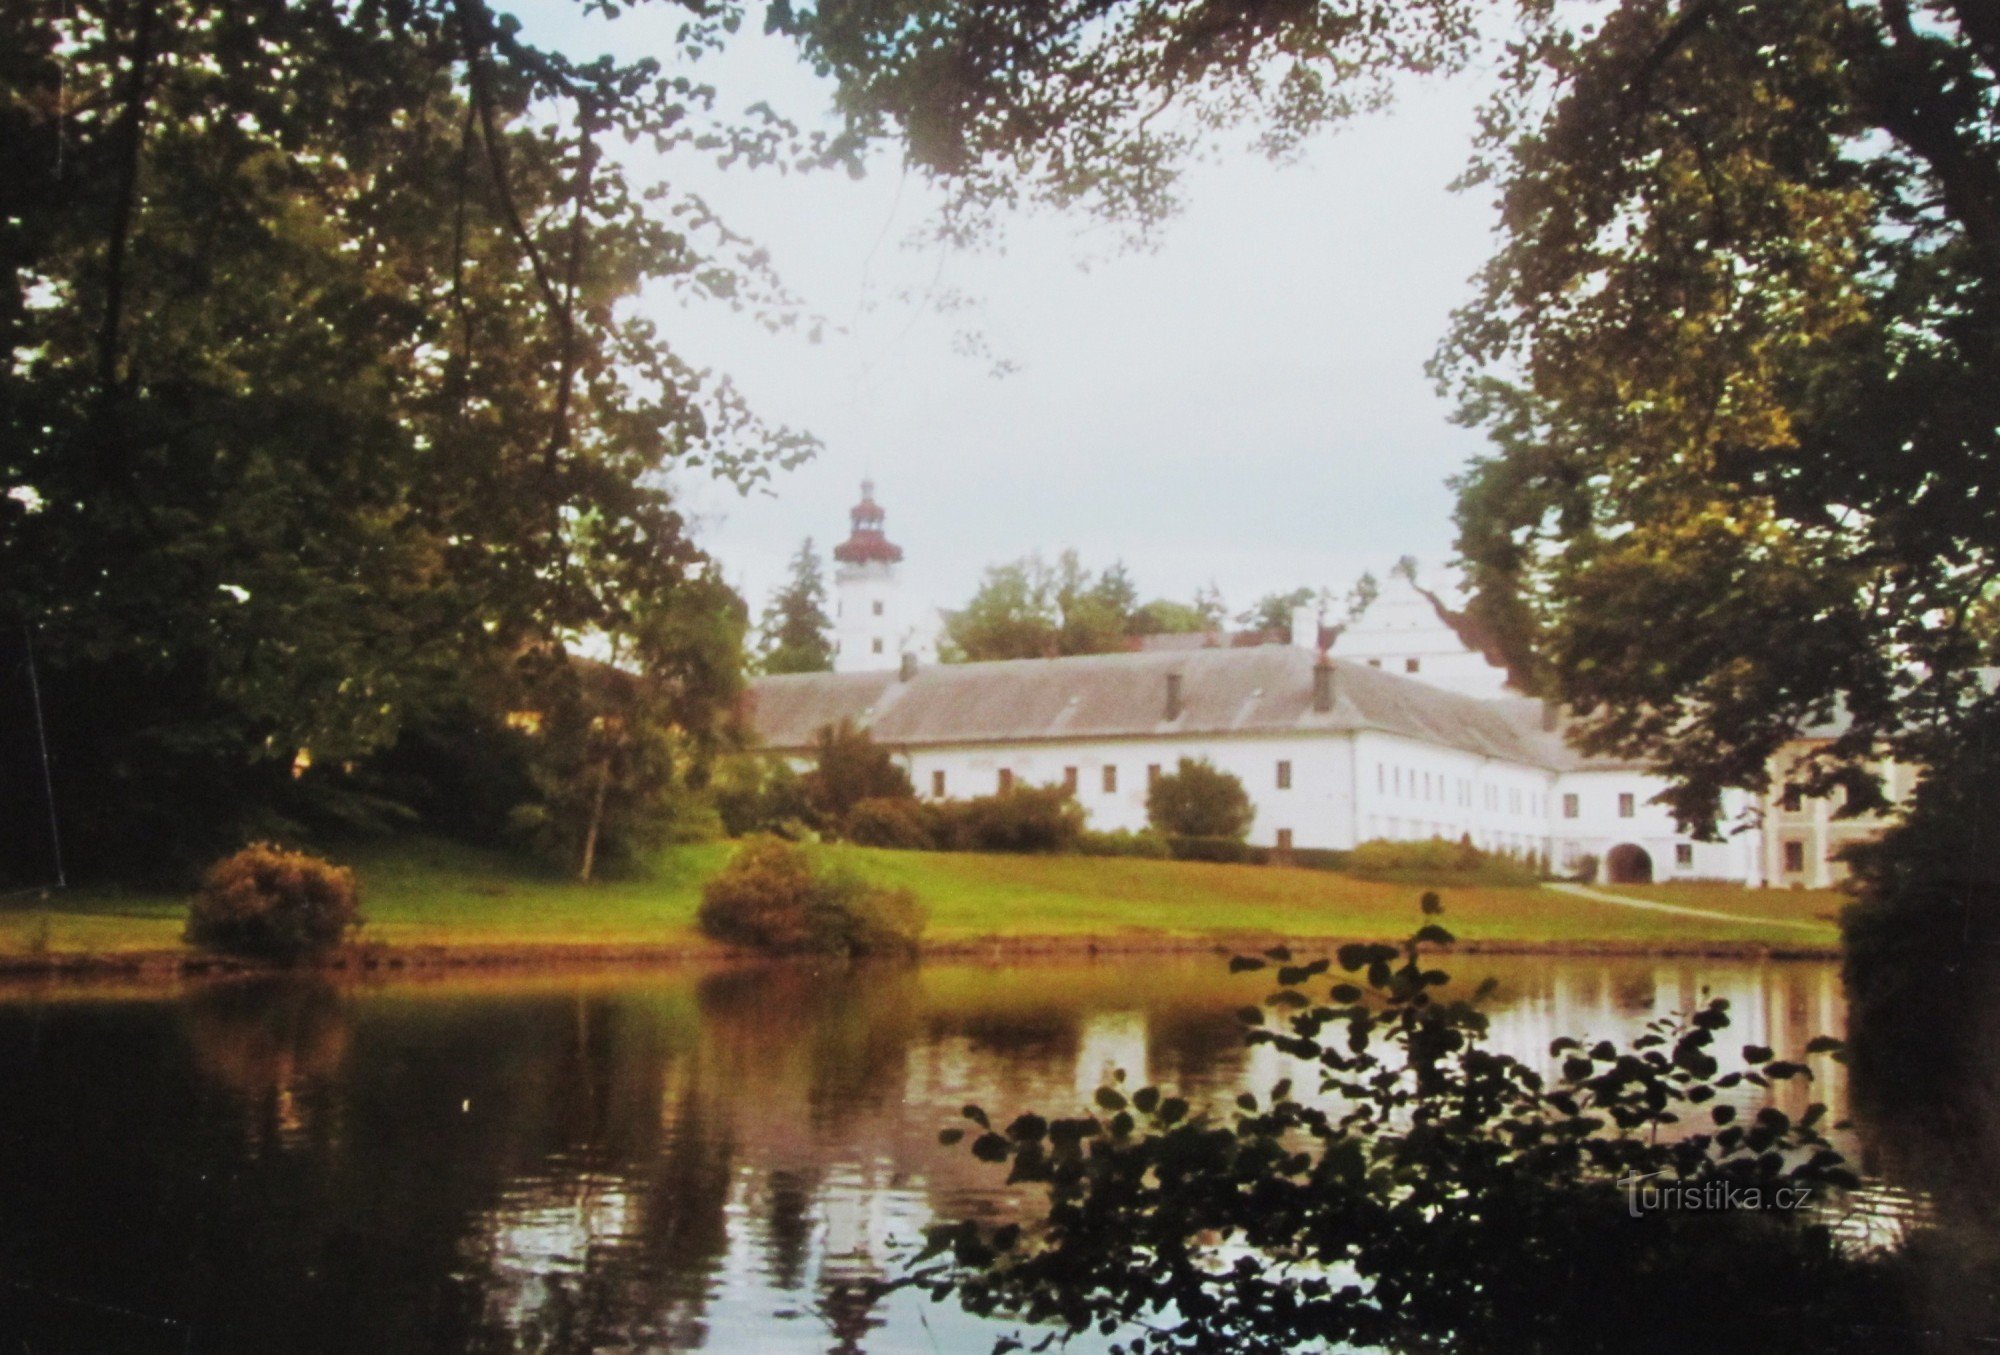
<point>677,1161</point>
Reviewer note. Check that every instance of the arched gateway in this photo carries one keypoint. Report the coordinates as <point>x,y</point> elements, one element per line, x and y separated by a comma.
<point>1628,864</point>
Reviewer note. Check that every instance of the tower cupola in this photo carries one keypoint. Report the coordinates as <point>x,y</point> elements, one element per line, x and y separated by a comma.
<point>866,543</point>
<point>868,629</point>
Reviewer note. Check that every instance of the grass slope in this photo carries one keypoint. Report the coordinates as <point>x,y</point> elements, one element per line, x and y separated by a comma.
<point>972,896</point>
<point>436,894</point>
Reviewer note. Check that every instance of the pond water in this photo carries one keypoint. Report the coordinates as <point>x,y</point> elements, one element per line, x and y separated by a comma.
<point>685,1159</point>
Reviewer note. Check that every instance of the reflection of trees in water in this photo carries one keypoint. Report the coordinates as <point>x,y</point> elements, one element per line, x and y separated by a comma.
<point>533,1168</point>
<point>272,1042</point>
<point>1925,1070</point>
<point>616,1236</point>
<point>788,1226</point>
<point>828,1041</point>
<point>1194,1048</point>
<point>849,1306</point>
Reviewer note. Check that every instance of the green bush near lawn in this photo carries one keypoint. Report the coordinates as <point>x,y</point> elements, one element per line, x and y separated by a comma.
<point>268,903</point>
<point>1435,861</point>
<point>784,899</point>
<point>1145,844</point>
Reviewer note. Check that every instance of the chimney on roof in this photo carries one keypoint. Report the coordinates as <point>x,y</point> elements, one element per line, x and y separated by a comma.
<point>909,668</point>
<point>1305,626</point>
<point>1173,696</point>
<point>1323,686</point>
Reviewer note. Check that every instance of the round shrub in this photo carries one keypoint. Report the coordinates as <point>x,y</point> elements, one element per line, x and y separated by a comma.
<point>270,903</point>
<point>776,897</point>
<point>1197,799</point>
<point>885,822</point>
<point>864,919</point>
<point>1024,819</point>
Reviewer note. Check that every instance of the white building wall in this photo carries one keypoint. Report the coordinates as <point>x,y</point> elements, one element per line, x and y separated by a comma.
<point>1317,808</point>
<point>867,631</point>
<point>1614,808</point>
<point>1409,791</point>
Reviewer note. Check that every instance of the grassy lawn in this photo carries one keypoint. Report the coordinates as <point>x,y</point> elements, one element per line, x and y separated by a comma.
<point>972,896</point>
<point>430,893</point>
<point>1799,905</point>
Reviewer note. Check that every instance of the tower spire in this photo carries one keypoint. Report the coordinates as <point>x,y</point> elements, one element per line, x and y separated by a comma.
<point>866,543</point>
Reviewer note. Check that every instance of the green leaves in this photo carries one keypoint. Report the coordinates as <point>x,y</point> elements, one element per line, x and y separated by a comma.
<point>1450,1181</point>
<point>382,441</point>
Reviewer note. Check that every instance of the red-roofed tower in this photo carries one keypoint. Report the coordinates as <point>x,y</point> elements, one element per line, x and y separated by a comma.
<point>867,625</point>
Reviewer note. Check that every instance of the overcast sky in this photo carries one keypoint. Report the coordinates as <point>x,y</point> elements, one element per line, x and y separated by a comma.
<point>1245,405</point>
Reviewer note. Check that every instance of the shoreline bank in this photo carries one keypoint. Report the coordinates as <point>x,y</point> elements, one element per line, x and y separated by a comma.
<point>172,966</point>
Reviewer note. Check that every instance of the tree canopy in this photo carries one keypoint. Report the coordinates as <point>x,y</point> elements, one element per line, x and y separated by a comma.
<point>326,405</point>
<point>1734,347</point>
<point>1030,609</point>
<point>1198,799</point>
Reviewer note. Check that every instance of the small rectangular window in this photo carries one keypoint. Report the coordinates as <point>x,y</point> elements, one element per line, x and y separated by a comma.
<point>937,785</point>
<point>1374,663</point>
<point>1110,779</point>
<point>1284,775</point>
<point>1684,854</point>
<point>1413,665</point>
<point>1793,799</point>
<point>1628,805</point>
<point>1795,857</point>
<point>1006,779</point>
<point>878,608</point>
<point>1572,807</point>
<point>877,645</point>
<point>1069,780</point>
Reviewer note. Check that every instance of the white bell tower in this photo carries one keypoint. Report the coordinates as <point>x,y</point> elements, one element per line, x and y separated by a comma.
<point>867,626</point>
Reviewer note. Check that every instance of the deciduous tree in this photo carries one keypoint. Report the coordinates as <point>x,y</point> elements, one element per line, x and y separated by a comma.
<point>1735,346</point>
<point>325,398</point>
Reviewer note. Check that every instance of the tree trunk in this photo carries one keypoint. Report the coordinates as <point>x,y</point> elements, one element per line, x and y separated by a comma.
<point>589,863</point>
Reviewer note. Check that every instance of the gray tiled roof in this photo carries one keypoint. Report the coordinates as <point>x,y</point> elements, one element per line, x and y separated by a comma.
<point>1262,690</point>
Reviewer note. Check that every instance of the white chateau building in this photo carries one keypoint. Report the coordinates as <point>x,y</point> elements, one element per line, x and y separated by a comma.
<point>1398,730</point>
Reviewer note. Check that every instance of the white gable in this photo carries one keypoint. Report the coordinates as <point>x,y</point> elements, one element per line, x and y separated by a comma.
<point>1402,632</point>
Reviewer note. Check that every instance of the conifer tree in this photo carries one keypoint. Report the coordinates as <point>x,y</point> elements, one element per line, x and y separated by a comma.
<point>795,625</point>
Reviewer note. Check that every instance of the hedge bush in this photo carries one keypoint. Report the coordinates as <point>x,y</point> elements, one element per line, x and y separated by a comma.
<point>778,897</point>
<point>849,767</point>
<point>760,793</point>
<point>1436,861</point>
<point>1227,850</point>
<point>1317,858</point>
<point>1027,819</point>
<point>269,903</point>
<point>1124,842</point>
<point>883,822</point>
